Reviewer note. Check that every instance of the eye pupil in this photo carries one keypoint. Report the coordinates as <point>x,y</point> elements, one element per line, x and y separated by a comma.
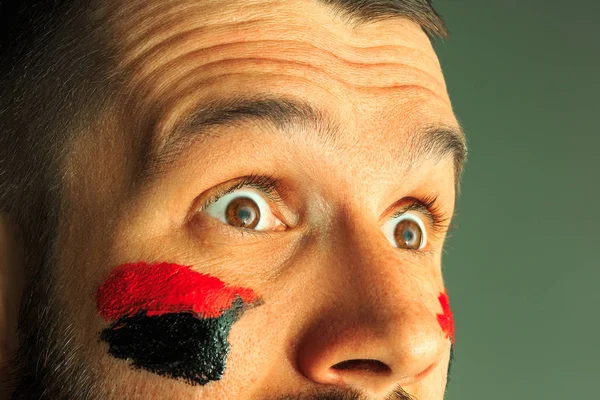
<point>408,235</point>
<point>243,212</point>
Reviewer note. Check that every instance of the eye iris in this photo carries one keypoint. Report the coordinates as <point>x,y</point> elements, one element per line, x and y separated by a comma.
<point>408,234</point>
<point>243,212</point>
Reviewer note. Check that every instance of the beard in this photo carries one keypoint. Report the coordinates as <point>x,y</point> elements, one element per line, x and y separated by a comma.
<point>48,363</point>
<point>348,394</point>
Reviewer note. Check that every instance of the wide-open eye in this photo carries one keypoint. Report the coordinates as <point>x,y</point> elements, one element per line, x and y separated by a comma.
<point>406,231</point>
<point>245,209</point>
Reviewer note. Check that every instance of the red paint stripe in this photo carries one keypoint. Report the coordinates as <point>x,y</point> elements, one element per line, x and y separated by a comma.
<point>446,319</point>
<point>163,288</point>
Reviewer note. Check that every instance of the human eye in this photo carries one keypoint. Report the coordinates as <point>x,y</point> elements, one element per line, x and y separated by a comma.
<point>414,225</point>
<point>247,204</point>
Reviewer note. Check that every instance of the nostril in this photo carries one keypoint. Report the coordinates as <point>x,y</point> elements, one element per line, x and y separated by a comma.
<point>362,365</point>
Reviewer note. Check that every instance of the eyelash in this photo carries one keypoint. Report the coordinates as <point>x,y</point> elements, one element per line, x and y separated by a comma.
<point>269,186</point>
<point>430,207</point>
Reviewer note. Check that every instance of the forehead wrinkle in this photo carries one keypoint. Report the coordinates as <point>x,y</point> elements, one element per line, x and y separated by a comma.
<point>166,78</point>
<point>143,13</point>
<point>151,78</point>
<point>163,36</point>
<point>160,37</point>
<point>136,38</point>
<point>300,53</point>
<point>167,57</point>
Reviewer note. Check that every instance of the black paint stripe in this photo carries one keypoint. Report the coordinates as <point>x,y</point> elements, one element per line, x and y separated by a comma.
<point>179,345</point>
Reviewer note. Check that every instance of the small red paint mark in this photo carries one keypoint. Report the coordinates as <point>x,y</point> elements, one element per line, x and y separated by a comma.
<point>163,288</point>
<point>446,320</point>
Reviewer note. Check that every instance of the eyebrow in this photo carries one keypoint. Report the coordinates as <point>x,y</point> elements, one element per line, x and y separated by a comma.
<point>158,155</point>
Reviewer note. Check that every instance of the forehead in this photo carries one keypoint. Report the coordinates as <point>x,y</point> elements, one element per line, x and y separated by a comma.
<point>168,46</point>
<point>142,24</point>
<point>380,81</point>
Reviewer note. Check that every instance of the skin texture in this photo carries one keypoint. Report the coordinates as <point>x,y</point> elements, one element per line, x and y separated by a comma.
<point>334,288</point>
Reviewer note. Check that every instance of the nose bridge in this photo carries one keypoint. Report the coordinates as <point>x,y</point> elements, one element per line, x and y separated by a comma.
<point>361,258</point>
<point>376,313</point>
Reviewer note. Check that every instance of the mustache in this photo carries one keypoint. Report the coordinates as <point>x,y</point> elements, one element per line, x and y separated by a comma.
<point>349,394</point>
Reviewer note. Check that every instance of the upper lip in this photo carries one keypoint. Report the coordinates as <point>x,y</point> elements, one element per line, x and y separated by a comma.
<point>411,380</point>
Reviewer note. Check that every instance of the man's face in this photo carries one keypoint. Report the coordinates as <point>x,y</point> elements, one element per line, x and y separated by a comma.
<point>334,228</point>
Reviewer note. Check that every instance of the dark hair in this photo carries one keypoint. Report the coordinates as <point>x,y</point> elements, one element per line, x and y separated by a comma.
<point>52,73</point>
<point>54,66</point>
<point>419,11</point>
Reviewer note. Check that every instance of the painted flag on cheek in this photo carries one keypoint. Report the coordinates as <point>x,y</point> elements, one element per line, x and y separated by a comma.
<point>170,320</point>
<point>446,319</point>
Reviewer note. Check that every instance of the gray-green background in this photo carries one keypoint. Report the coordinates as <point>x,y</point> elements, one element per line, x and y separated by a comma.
<point>521,266</point>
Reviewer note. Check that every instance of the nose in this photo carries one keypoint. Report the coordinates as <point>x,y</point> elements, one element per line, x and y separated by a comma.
<point>374,322</point>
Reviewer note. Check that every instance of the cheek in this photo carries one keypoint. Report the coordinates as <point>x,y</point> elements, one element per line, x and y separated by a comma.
<point>170,320</point>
